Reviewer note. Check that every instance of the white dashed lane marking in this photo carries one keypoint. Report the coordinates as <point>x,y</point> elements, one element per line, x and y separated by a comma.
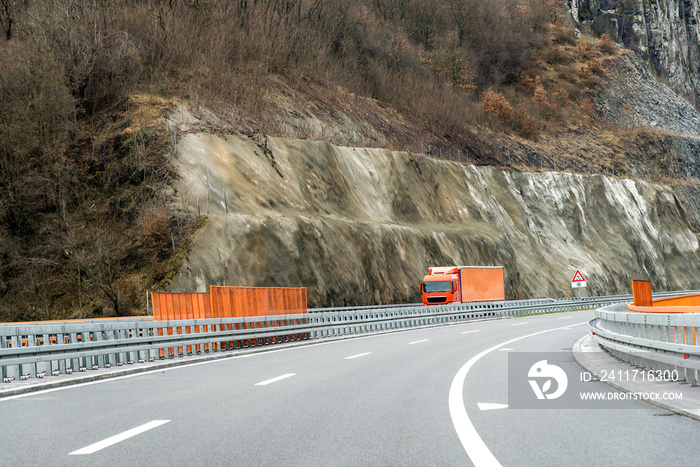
<point>491,406</point>
<point>105,443</point>
<point>418,342</point>
<point>358,355</point>
<point>274,380</point>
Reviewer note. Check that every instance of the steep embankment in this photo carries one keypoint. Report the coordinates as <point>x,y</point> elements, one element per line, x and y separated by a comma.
<point>362,225</point>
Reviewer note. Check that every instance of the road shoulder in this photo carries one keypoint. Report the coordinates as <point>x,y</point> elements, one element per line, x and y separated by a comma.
<point>592,358</point>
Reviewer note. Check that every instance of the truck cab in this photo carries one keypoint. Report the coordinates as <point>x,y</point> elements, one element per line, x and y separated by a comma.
<point>449,285</point>
<point>441,287</point>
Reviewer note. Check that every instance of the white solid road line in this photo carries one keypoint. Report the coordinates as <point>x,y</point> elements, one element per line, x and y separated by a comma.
<point>472,443</point>
<point>491,406</point>
<point>505,349</point>
<point>469,332</point>
<point>274,380</point>
<point>518,324</point>
<point>418,342</point>
<point>358,355</point>
<point>118,438</point>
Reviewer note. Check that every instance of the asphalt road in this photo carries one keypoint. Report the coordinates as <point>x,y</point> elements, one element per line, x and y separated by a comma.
<point>405,398</point>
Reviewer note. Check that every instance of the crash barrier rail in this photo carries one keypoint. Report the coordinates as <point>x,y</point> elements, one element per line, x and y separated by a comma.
<point>39,350</point>
<point>84,321</point>
<point>666,342</point>
<point>498,304</point>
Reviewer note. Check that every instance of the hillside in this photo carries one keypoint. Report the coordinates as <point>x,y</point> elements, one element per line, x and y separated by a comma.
<point>100,100</point>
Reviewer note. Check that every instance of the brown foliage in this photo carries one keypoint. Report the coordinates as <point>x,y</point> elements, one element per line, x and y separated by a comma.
<point>497,106</point>
<point>562,95</point>
<point>532,83</point>
<point>586,107</point>
<point>524,123</point>
<point>590,68</point>
<point>519,119</point>
<point>583,71</point>
<point>595,67</point>
<point>540,97</point>
<point>584,48</point>
<point>606,45</point>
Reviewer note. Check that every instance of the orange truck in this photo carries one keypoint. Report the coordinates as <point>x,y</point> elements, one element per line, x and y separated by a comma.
<point>461,284</point>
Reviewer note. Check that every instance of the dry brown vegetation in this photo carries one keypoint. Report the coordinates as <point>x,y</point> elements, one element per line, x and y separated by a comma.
<point>86,228</point>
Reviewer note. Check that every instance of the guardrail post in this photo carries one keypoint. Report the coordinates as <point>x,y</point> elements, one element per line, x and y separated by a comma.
<point>122,357</point>
<point>98,336</point>
<point>46,365</point>
<point>4,370</point>
<point>31,342</point>
<point>74,364</point>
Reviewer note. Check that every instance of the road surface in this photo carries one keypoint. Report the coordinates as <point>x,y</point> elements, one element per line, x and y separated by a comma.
<point>431,396</point>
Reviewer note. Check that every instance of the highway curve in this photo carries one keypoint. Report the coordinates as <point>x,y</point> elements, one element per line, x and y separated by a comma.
<point>402,398</point>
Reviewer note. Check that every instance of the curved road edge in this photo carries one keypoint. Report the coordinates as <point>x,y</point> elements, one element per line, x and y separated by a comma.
<point>473,444</point>
<point>593,359</point>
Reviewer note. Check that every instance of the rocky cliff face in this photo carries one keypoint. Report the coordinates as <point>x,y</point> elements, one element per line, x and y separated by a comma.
<point>363,225</point>
<point>631,97</point>
<point>666,32</point>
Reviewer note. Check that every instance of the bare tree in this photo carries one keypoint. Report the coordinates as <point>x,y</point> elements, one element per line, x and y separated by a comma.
<point>9,9</point>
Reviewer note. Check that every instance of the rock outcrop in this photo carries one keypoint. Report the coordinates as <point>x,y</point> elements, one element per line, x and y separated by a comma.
<point>664,32</point>
<point>363,225</point>
<point>631,97</point>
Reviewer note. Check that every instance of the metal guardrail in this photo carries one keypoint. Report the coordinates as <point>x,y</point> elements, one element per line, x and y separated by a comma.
<point>653,341</point>
<point>39,350</point>
<point>407,305</point>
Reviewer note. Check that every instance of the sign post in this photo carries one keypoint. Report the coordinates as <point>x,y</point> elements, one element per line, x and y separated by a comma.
<point>578,282</point>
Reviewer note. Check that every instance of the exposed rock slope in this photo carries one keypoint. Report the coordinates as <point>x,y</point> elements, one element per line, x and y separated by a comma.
<point>363,225</point>
<point>632,98</point>
<point>666,32</point>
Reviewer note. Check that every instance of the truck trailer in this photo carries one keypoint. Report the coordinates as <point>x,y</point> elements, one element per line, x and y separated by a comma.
<point>462,284</point>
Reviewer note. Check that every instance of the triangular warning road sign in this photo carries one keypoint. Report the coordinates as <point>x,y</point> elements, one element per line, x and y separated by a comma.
<point>578,277</point>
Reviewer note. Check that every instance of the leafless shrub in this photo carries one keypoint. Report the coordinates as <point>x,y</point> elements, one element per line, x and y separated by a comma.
<point>563,35</point>
<point>524,123</point>
<point>606,45</point>
<point>155,227</point>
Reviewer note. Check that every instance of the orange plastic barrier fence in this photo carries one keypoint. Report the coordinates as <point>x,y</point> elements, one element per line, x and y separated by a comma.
<point>643,302</point>
<point>684,301</point>
<point>175,306</point>
<point>641,291</point>
<point>229,302</point>
<point>170,306</point>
